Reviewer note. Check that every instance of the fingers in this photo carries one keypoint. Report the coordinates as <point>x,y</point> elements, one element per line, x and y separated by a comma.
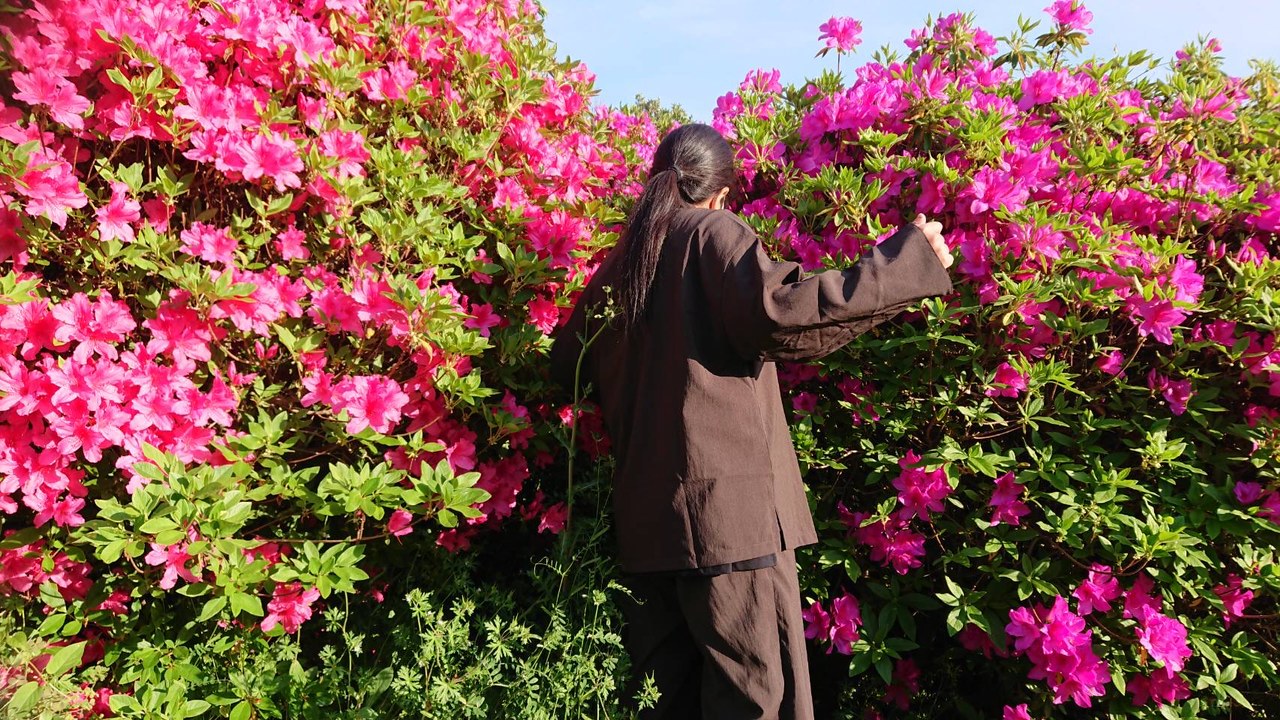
<point>944,254</point>
<point>939,244</point>
<point>933,233</point>
<point>945,258</point>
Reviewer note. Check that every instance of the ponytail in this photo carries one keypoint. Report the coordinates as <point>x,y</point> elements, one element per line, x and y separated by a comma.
<point>692,163</point>
<point>643,243</point>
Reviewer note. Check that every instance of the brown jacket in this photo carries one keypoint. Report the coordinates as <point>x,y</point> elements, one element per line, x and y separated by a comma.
<point>706,472</point>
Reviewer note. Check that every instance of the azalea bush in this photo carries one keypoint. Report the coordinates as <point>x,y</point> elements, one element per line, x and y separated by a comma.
<point>278,279</point>
<point>276,437</point>
<point>1053,492</point>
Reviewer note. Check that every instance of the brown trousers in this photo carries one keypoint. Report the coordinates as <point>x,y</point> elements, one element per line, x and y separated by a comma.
<point>725,647</point>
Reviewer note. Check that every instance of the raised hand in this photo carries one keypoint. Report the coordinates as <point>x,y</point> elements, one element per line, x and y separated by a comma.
<point>933,233</point>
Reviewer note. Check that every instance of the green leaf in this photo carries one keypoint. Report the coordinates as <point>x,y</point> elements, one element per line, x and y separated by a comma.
<point>157,525</point>
<point>65,659</point>
<point>25,699</point>
<point>212,608</point>
<point>25,536</point>
<point>246,603</point>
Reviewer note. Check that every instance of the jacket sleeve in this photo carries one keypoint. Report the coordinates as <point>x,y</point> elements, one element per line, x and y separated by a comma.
<point>772,311</point>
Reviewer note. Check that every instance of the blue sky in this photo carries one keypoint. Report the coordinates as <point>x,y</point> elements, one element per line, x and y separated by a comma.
<point>692,51</point>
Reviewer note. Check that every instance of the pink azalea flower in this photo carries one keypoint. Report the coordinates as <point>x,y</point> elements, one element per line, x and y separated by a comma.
<point>348,149</point>
<point>891,541</point>
<point>1165,638</point>
<point>817,622</point>
<point>1186,282</point>
<point>51,189</point>
<point>1235,599</point>
<point>389,83</point>
<point>370,401</point>
<point>180,331</point>
<point>1139,601</point>
<point>841,34</point>
<point>455,540</point>
<point>1007,502</point>
<point>1247,493</point>
<point>209,243</point>
<point>116,218</point>
<point>1112,363</point>
<point>291,245</point>
<point>273,156</point>
<point>553,519</point>
<point>483,317</point>
<point>905,683</point>
<point>1175,392</point>
<point>804,402</point>
<point>400,523</point>
<point>975,639</point>
<point>1097,591</point>
<point>95,326</point>
<point>44,87</point>
<point>290,606</point>
<point>1071,14</point>
<point>1158,317</point>
<point>846,617</point>
<point>1270,509</point>
<point>158,212</point>
<point>920,492</point>
<point>993,189</point>
<point>1016,712</point>
<point>35,322</point>
<point>1060,650</point>
<point>1162,687</point>
<point>1008,382</point>
<point>174,558</point>
<point>544,314</point>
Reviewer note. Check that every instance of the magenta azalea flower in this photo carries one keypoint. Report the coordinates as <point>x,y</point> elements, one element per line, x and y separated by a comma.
<point>920,492</point>
<point>1071,14</point>
<point>1016,712</point>
<point>1235,599</point>
<point>1060,650</point>
<point>1006,500</point>
<point>290,606</point>
<point>1008,382</point>
<point>817,621</point>
<point>841,34</point>
<point>846,617</point>
<point>1161,687</point>
<point>1097,591</point>
<point>1166,639</point>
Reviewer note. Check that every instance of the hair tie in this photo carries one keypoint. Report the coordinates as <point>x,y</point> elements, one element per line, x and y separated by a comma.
<point>679,174</point>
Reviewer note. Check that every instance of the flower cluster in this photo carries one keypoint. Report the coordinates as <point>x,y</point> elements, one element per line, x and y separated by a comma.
<point>1061,651</point>
<point>220,259</point>
<point>839,627</point>
<point>1102,325</point>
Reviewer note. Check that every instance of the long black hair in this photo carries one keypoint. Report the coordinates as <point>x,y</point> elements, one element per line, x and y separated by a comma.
<point>692,163</point>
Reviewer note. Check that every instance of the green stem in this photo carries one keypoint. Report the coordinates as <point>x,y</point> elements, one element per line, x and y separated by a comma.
<point>573,439</point>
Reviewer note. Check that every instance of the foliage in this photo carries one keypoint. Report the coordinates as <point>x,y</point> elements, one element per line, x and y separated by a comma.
<point>664,117</point>
<point>279,280</point>
<point>1055,488</point>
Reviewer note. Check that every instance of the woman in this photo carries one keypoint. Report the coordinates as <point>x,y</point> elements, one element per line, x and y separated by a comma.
<point>707,497</point>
